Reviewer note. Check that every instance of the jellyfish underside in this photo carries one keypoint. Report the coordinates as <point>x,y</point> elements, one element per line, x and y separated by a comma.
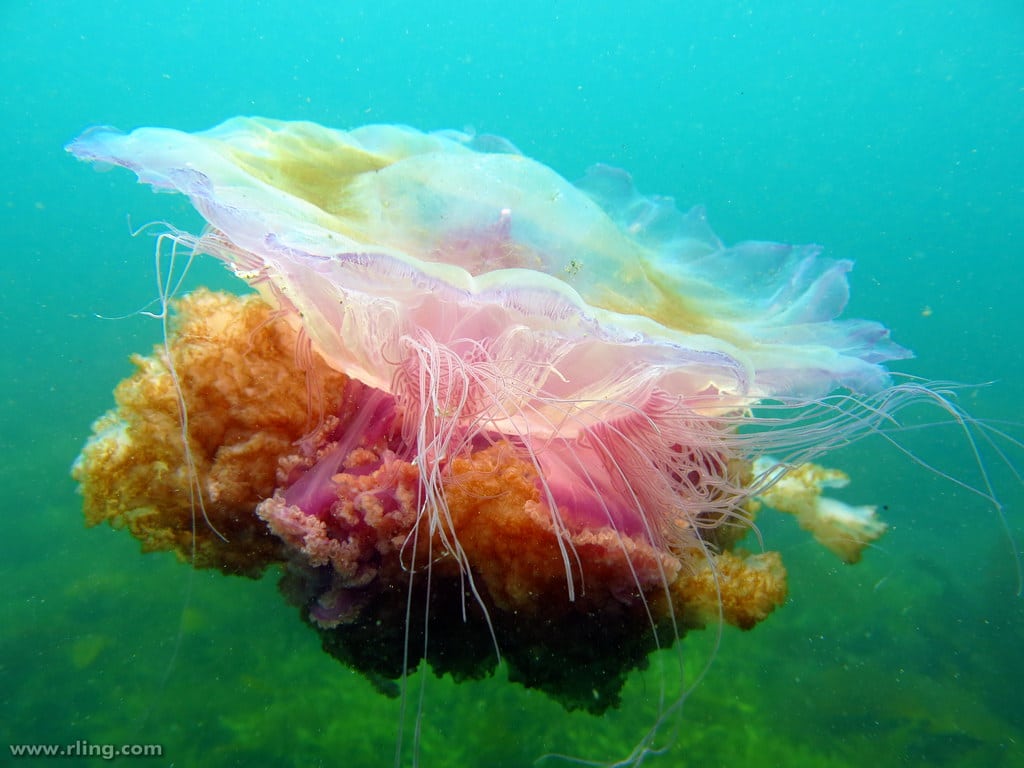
<point>475,412</point>
<point>353,545</point>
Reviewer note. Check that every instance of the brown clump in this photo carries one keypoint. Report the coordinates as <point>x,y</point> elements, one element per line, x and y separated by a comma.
<point>744,587</point>
<point>508,538</point>
<point>497,532</point>
<point>247,403</point>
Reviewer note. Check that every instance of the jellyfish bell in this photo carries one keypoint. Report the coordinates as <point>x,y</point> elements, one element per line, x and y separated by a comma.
<point>387,228</point>
<point>539,404</point>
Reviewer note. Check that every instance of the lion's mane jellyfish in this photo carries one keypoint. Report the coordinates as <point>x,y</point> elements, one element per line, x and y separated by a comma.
<point>472,400</point>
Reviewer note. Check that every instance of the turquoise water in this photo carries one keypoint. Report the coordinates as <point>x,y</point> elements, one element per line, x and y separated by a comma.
<point>890,133</point>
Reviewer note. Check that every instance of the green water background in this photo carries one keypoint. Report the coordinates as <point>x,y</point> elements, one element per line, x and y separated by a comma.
<point>889,132</point>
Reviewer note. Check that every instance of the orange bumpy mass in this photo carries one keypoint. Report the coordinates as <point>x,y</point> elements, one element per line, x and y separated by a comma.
<point>331,488</point>
<point>247,403</point>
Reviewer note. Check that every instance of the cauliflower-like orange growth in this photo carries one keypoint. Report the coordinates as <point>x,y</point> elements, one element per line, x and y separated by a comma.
<point>247,402</point>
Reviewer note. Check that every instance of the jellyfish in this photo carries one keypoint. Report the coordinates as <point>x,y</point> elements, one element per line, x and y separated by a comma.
<point>476,412</point>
